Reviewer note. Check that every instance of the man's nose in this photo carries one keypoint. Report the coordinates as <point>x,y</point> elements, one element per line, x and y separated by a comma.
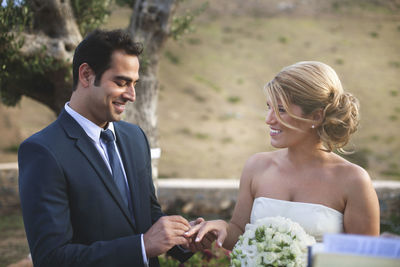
<point>130,93</point>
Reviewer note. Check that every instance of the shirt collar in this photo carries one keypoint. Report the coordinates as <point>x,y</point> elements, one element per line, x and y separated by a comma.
<point>91,129</point>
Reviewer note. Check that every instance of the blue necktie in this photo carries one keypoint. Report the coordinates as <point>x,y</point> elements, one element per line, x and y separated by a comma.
<point>108,137</point>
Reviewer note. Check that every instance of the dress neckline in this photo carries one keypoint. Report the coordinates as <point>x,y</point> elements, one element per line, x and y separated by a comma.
<point>300,203</point>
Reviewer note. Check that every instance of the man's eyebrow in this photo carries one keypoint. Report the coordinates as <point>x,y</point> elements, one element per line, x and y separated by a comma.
<point>124,78</point>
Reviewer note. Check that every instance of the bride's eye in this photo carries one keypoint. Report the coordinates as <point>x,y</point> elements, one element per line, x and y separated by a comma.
<point>281,109</point>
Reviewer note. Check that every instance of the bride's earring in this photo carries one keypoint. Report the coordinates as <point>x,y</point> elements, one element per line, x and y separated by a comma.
<point>313,126</point>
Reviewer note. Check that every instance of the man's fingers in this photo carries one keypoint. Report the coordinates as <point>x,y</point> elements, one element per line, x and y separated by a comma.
<point>178,219</point>
<point>175,222</point>
<point>179,240</point>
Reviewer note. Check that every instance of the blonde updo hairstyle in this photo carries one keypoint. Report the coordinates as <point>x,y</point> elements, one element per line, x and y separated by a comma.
<point>313,85</point>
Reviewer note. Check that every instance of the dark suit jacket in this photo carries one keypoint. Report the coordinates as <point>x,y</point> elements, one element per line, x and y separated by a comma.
<point>72,210</point>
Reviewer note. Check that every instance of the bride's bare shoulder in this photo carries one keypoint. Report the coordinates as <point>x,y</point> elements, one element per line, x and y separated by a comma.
<point>263,159</point>
<point>352,175</point>
<point>255,167</point>
<point>260,162</point>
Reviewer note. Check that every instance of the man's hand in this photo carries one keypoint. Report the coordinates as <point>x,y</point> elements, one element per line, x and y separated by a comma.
<point>167,232</point>
<point>205,243</point>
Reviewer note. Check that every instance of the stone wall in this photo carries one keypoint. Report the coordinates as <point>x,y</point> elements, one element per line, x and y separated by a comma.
<point>9,196</point>
<point>211,198</point>
<point>194,197</point>
<point>216,198</point>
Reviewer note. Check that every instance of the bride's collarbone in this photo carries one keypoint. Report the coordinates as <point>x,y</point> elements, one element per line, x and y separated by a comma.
<point>310,191</point>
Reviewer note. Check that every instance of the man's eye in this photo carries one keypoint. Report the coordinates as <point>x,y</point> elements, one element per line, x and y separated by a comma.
<point>120,83</point>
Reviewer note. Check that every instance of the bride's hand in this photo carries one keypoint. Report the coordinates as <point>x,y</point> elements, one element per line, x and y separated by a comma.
<point>217,227</point>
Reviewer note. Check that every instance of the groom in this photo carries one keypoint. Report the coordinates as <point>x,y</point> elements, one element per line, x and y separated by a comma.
<point>85,181</point>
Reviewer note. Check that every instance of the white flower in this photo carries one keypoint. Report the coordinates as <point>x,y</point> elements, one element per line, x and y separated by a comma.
<point>276,241</point>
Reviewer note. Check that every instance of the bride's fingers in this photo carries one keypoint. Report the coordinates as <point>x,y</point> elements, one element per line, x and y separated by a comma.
<point>193,230</point>
<point>221,237</point>
<point>207,227</point>
<point>199,220</point>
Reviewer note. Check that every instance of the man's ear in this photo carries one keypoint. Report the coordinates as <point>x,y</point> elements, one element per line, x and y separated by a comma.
<point>86,74</point>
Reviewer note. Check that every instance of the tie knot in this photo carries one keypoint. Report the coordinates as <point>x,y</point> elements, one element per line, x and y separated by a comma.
<point>107,136</point>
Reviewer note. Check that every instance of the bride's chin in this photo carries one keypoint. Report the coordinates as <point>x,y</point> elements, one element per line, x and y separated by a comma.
<point>274,145</point>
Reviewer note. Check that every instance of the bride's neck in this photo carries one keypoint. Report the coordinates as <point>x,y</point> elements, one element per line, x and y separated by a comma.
<point>307,154</point>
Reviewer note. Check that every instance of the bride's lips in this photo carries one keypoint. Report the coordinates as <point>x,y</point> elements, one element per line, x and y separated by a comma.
<point>274,132</point>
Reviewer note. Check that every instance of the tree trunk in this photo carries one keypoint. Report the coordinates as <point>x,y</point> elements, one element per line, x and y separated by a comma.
<point>55,29</point>
<point>150,25</point>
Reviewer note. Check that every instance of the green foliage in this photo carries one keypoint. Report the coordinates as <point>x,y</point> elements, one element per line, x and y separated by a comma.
<point>185,131</point>
<point>124,2</point>
<point>233,99</point>
<point>339,61</point>
<point>208,83</point>
<point>365,6</point>
<point>14,18</point>
<point>194,41</point>
<point>17,71</point>
<point>260,234</point>
<point>182,24</point>
<point>227,140</point>
<point>392,173</point>
<point>90,14</point>
<point>213,257</point>
<point>12,148</point>
<point>174,59</point>
<point>391,226</point>
<point>202,136</point>
<point>374,34</point>
<point>359,157</point>
<point>283,39</point>
<point>10,223</point>
<point>394,64</point>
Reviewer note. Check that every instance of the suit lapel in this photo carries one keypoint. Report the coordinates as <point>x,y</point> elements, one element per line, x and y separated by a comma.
<point>130,169</point>
<point>88,149</point>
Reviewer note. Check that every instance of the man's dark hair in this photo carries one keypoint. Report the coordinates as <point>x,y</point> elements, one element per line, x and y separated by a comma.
<point>96,50</point>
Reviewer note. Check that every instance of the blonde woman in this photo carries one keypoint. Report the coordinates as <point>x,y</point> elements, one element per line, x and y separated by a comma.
<point>309,115</point>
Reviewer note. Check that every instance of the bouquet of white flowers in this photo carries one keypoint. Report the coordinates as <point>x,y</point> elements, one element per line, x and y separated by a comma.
<point>272,241</point>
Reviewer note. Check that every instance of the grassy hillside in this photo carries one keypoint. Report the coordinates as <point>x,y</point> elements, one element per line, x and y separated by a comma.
<point>212,106</point>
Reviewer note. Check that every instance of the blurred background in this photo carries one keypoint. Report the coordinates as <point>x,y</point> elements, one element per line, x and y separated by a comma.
<point>211,105</point>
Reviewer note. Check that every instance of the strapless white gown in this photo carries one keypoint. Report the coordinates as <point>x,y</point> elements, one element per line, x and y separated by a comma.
<point>316,219</point>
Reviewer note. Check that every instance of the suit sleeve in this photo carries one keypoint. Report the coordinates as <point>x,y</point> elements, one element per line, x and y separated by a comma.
<point>44,201</point>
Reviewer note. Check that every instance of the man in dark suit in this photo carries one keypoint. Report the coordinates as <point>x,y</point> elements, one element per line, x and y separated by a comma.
<point>86,199</point>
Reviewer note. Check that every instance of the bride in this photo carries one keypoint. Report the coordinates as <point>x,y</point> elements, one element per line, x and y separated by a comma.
<point>309,115</point>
